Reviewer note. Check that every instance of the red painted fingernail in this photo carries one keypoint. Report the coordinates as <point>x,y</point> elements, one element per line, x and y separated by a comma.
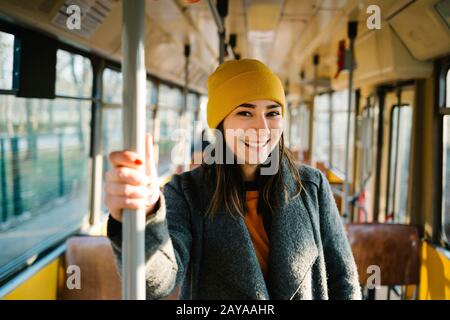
<point>138,162</point>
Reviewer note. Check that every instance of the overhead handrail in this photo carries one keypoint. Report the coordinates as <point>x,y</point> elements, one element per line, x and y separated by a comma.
<point>219,13</point>
<point>351,32</point>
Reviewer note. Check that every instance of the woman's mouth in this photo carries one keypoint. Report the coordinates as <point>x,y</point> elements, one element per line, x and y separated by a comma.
<point>256,145</point>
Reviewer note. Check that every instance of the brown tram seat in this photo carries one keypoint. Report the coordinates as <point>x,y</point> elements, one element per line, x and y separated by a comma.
<point>395,248</point>
<point>99,278</point>
<point>322,167</point>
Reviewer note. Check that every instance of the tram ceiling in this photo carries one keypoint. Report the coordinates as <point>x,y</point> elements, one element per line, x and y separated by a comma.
<point>265,29</point>
<point>285,34</point>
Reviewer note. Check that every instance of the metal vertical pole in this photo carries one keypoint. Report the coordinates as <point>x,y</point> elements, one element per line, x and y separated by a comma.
<point>219,13</point>
<point>289,112</point>
<point>312,109</point>
<point>304,137</point>
<point>352,31</point>
<point>96,146</point>
<point>397,141</point>
<point>381,97</point>
<point>134,87</point>
<point>187,53</point>
<point>221,45</point>
<point>222,9</point>
<point>184,110</point>
<point>330,129</point>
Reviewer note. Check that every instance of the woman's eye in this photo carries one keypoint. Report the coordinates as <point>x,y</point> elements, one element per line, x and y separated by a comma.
<point>273,114</point>
<point>244,113</point>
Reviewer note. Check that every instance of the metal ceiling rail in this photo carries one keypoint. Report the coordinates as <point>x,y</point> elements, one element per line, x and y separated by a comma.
<point>216,16</point>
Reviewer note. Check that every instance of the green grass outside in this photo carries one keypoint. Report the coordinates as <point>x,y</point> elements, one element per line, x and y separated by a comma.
<point>40,178</point>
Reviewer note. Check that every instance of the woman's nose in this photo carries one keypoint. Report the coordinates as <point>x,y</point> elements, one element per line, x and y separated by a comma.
<point>261,123</point>
<point>261,128</point>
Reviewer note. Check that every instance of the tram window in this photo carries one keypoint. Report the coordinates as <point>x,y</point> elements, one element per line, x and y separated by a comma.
<point>303,124</point>
<point>203,124</point>
<point>295,129</point>
<point>112,86</point>
<point>446,179</point>
<point>152,93</point>
<point>447,104</point>
<point>193,138</point>
<point>299,133</point>
<point>152,99</point>
<point>170,104</point>
<point>287,120</point>
<point>400,142</point>
<point>339,131</point>
<point>322,129</point>
<point>446,168</point>
<point>112,139</point>
<point>73,75</point>
<point>202,116</point>
<point>43,143</point>
<point>112,118</point>
<point>365,133</point>
<point>112,135</point>
<point>112,130</point>
<point>192,102</point>
<point>6,60</point>
<point>192,107</point>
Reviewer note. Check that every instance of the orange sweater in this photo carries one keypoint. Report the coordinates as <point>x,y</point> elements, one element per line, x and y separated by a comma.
<point>255,226</point>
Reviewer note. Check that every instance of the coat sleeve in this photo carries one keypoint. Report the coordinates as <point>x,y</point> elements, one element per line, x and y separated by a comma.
<point>167,242</point>
<point>342,275</point>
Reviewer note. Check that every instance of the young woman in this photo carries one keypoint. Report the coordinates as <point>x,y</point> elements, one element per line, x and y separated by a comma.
<point>252,225</point>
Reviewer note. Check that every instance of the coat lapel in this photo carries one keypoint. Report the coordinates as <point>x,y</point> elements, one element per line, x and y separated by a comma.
<point>229,237</point>
<point>238,262</point>
<point>293,249</point>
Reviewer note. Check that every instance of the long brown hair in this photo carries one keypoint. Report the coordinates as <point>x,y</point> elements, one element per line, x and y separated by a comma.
<point>229,186</point>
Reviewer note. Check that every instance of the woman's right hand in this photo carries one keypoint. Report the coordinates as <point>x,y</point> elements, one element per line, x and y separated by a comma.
<point>132,183</point>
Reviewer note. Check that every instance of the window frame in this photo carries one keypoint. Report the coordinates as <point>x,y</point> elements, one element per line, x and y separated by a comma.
<point>443,67</point>
<point>71,50</point>
<point>41,249</point>
<point>21,262</point>
<point>368,112</point>
<point>329,125</point>
<point>98,62</point>
<point>10,28</point>
<point>15,67</point>
<point>103,102</point>
<point>353,119</point>
<point>390,154</point>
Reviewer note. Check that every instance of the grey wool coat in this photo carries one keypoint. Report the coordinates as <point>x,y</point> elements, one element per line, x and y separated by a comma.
<point>214,258</point>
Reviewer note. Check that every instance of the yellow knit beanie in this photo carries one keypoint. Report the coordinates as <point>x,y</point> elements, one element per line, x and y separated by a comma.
<point>239,81</point>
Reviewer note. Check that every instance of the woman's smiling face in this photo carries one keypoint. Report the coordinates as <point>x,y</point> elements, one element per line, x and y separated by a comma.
<point>253,129</point>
